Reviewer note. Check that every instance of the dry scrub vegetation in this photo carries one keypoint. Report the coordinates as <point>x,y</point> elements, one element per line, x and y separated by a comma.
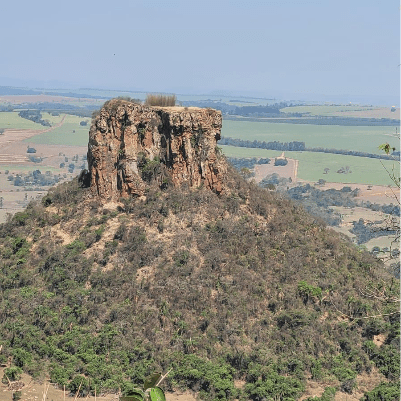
<point>243,286</point>
<point>160,100</point>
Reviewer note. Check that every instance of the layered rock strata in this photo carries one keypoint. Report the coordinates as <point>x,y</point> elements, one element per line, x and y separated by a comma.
<point>131,144</point>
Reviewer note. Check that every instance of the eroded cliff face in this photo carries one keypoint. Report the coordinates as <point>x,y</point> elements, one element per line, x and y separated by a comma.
<point>131,144</point>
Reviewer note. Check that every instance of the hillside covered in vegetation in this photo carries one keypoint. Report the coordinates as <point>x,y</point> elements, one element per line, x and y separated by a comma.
<point>241,287</point>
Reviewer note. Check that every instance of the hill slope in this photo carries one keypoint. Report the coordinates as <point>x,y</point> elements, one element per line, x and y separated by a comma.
<point>242,293</point>
<point>238,286</point>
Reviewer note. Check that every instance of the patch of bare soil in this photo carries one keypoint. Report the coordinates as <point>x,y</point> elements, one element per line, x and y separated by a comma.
<point>32,390</point>
<point>107,235</point>
<point>180,396</point>
<point>365,382</point>
<point>312,389</point>
<point>379,339</point>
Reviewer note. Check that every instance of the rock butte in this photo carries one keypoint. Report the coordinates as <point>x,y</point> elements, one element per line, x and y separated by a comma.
<point>126,139</point>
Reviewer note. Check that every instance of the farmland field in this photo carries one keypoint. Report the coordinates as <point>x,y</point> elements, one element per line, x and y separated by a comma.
<point>311,165</point>
<point>24,168</point>
<point>65,135</point>
<point>345,111</point>
<point>18,99</point>
<point>52,119</point>
<point>11,120</point>
<point>324,110</point>
<point>364,139</point>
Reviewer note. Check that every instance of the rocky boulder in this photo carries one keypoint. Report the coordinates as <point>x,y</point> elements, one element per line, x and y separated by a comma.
<point>131,144</point>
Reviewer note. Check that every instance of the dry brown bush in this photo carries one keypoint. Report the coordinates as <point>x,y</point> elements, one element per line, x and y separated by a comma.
<point>160,100</point>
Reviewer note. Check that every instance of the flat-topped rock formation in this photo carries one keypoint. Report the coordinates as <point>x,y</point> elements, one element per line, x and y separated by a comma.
<point>131,144</point>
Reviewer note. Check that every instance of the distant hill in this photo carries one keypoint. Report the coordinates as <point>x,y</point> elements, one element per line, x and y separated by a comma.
<point>11,90</point>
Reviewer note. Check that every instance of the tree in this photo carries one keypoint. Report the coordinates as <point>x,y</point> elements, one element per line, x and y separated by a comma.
<point>326,170</point>
<point>246,173</point>
<point>11,374</point>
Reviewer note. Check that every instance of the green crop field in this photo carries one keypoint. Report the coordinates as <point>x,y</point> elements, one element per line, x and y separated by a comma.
<point>52,119</point>
<point>361,138</point>
<point>23,168</point>
<point>65,134</point>
<point>364,170</point>
<point>311,165</point>
<point>12,120</point>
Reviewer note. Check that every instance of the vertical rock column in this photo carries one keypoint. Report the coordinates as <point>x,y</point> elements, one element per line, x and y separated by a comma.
<point>125,136</point>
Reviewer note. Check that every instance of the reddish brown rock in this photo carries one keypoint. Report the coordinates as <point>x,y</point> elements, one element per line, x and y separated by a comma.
<point>131,144</point>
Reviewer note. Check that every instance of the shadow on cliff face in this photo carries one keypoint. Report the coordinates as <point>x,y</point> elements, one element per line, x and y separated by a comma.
<point>84,179</point>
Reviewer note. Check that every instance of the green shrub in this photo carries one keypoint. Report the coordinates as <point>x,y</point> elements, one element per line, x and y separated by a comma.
<point>3,359</point>
<point>60,375</point>
<point>76,246</point>
<point>307,291</point>
<point>79,384</point>
<point>214,381</point>
<point>343,373</point>
<point>21,357</point>
<point>13,373</point>
<point>149,168</point>
<point>274,386</point>
<point>20,218</point>
<point>384,392</point>
<point>317,370</point>
<point>99,232</point>
<point>20,247</point>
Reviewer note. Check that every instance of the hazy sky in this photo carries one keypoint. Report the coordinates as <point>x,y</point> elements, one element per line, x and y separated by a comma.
<point>332,50</point>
